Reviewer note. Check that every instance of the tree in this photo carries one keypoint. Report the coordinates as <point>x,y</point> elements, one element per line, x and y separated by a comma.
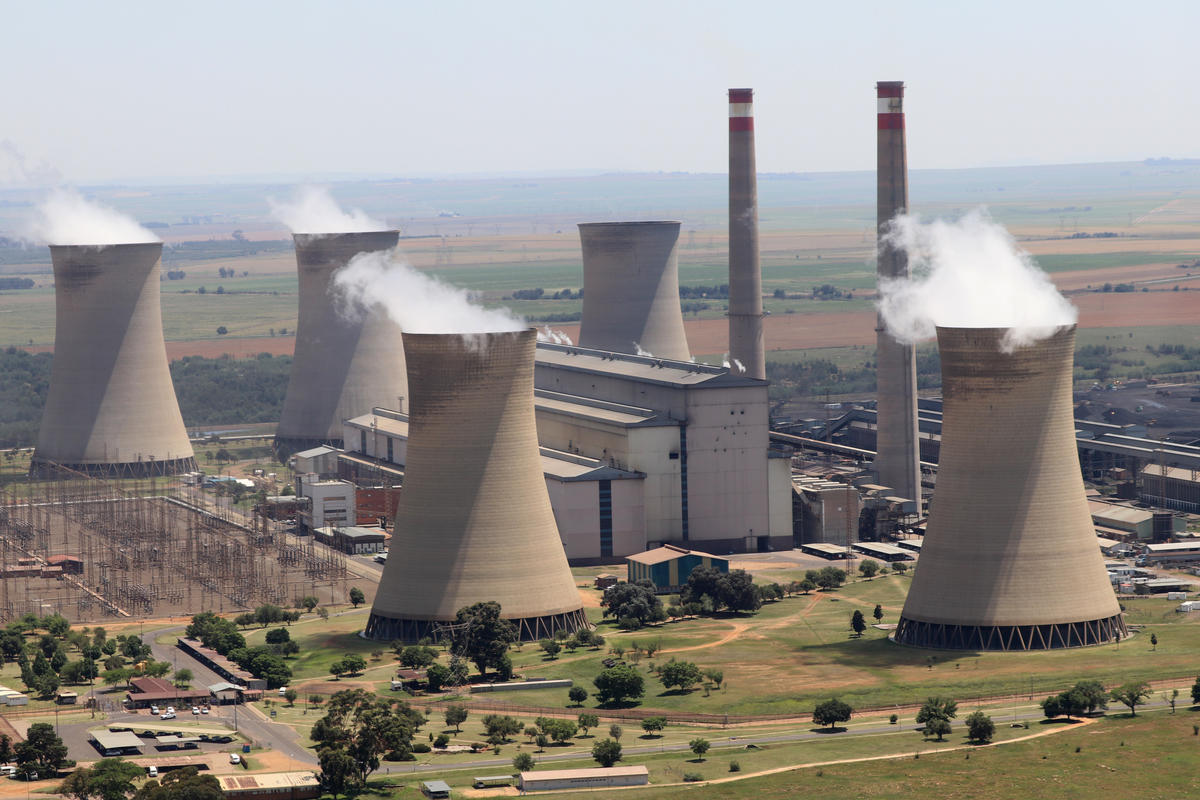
<point>934,712</point>
<point>1196,692</point>
<point>278,636</point>
<point>181,784</point>
<point>1154,641</point>
<point>337,669</point>
<point>652,725</point>
<point>832,712</point>
<point>807,585</point>
<point>523,762</point>
<point>588,720</point>
<point>437,676</point>
<point>354,663</point>
<point>878,613</point>
<point>1132,694</point>
<point>42,750</point>
<point>501,726</point>
<point>633,601</point>
<point>619,683</point>
<point>481,636</point>
<point>937,727</point>
<point>606,752</point>
<point>550,647</point>
<point>337,769</point>
<point>869,568</point>
<point>699,747</point>
<point>6,749</point>
<point>858,623</point>
<point>828,577</point>
<point>683,674</point>
<point>309,602</point>
<point>221,329</point>
<point>615,731</point>
<point>183,678</point>
<point>417,656</point>
<point>737,591</point>
<point>716,676</point>
<point>577,694</point>
<point>980,727</point>
<point>290,695</point>
<point>357,597</point>
<point>1093,694</point>
<point>455,715</point>
<point>367,727</point>
<point>1052,706</point>
<point>107,779</point>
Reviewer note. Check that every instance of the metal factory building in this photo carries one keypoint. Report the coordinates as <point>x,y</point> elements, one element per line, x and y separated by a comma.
<point>597,778</point>
<point>668,567</point>
<point>635,452</point>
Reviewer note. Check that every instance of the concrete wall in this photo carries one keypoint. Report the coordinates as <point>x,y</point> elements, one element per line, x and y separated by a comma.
<point>577,512</point>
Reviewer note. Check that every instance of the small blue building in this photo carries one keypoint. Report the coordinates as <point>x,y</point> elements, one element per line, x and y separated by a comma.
<point>668,567</point>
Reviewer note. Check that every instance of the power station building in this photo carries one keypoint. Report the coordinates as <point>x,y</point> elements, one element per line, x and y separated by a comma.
<point>474,521</point>
<point>631,289</point>
<point>636,452</point>
<point>111,409</point>
<point>346,361</point>
<point>1009,560</point>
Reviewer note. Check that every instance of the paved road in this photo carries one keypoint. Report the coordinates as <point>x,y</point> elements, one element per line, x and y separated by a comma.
<point>244,719</point>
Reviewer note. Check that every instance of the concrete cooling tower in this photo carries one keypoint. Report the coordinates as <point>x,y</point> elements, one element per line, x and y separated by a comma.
<point>897,460</point>
<point>474,522</point>
<point>1009,560</point>
<point>745,274</point>
<point>631,289</point>
<point>341,367</point>
<point>111,409</point>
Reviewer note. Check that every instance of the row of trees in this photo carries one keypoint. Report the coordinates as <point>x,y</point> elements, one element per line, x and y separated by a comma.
<point>264,661</point>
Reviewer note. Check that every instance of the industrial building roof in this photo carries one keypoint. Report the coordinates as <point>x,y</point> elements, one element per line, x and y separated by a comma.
<point>316,452</point>
<point>667,552</point>
<point>565,774</point>
<point>1173,547</point>
<point>825,547</point>
<point>267,780</point>
<point>383,423</point>
<point>640,368</point>
<point>571,467</point>
<point>354,532</point>
<point>881,548</point>
<point>1175,473</point>
<point>586,408</point>
<point>1120,514</point>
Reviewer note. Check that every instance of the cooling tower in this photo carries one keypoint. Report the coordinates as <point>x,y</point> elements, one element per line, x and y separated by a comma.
<point>474,522</point>
<point>631,289</point>
<point>342,367</point>
<point>1009,560</point>
<point>745,274</point>
<point>898,460</point>
<point>111,408</point>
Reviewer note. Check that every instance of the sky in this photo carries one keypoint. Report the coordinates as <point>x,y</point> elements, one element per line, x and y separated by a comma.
<point>159,91</point>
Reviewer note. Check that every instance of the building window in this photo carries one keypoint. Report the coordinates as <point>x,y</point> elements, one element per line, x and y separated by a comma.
<point>362,442</point>
<point>390,457</point>
<point>606,547</point>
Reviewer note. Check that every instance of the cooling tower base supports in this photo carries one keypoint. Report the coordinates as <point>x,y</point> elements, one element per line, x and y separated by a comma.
<point>942,636</point>
<point>42,469</point>
<point>529,629</point>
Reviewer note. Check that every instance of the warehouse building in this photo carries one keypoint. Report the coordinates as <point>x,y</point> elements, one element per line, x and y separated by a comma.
<point>352,539</point>
<point>1171,487</point>
<point>1139,523</point>
<point>605,777</point>
<point>271,786</point>
<point>668,567</point>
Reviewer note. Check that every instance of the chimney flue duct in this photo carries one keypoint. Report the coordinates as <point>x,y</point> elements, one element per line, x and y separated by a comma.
<point>1010,560</point>
<point>745,273</point>
<point>898,458</point>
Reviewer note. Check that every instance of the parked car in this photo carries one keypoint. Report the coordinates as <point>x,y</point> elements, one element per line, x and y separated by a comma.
<point>204,710</point>
<point>152,771</point>
<point>167,715</point>
<point>154,710</point>
<point>234,758</point>
<point>8,770</point>
<point>196,710</point>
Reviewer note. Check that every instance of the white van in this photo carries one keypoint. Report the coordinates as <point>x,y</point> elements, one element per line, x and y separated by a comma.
<point>152,771</point>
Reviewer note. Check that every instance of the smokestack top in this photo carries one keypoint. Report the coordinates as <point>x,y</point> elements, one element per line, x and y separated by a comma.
<point>891,104</point>
<point>78,249</point>
<point>741,110</point>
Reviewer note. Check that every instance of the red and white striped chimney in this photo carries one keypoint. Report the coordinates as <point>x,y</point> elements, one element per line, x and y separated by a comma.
<point>745,275</point>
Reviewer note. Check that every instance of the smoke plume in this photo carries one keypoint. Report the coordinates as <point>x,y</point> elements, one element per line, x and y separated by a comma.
<point>968,273</point>
<point>313,210</point>
<point>67,217</point>
<point>417,302</point>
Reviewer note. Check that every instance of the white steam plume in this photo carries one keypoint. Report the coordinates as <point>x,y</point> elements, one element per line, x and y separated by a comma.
<point>313,210</point>
<point>968,273</point>
<point>67,217</point>
<point>548,334</point>
<point>637,348</point>
<point>417,302</point>
<point>736,365</point>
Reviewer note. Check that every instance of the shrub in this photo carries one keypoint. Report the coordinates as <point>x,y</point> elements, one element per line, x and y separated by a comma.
<point>692,777</point>
<point>421,747</point>
<point>734,766</point>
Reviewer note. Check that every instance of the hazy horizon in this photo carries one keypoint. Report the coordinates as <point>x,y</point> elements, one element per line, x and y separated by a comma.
<point>308,91</point>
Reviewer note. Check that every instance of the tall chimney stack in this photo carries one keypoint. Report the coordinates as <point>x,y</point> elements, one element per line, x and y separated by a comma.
<point>898,458</point>
<point>745,273</point>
